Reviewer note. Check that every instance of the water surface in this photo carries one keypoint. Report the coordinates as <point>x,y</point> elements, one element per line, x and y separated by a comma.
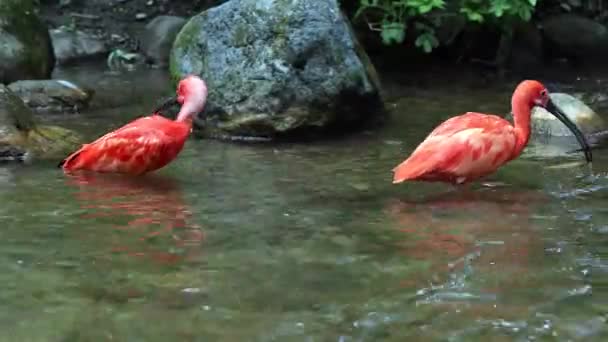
<point>301,242</point>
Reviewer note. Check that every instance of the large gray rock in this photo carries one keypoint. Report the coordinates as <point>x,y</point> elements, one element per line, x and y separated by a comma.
<point>52,96</point>
<point>25,47</point>
<point>576,37</point>
<point>158,37</point>
<point>71,46</point>
<point>20,136</point>
<point>277,67</point>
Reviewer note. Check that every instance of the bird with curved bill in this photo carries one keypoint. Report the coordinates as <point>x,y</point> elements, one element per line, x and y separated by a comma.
<point>473,145</point>
<point>146,144</point>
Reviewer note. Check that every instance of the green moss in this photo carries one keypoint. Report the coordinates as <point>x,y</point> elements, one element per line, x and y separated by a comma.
<point>18,129</point>
<point>21,21</point>
<point>14,114</point>
<point>47,141</point>
<point>241,35</point>
<point>187,39</point>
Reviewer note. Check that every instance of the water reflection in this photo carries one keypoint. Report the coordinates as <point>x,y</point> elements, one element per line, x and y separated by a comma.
<point>149,216</point>
<point>492,226</point>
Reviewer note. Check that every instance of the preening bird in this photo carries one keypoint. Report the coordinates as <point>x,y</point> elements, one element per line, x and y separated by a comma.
<point>145,144</point>
<point>473,145</point>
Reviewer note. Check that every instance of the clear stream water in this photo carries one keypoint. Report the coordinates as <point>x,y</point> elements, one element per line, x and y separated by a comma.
<point>301,242</point>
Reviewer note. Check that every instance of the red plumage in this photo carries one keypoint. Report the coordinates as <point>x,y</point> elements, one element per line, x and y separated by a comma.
<point>147,143</point>
<point>144,145</point>
<point>473,145</point>
<point>461,149</point>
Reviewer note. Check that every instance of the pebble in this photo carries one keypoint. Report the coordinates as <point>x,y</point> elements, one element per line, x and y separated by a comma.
<point>141,16</point>
<point>361,186</point>
<point>117,38</point>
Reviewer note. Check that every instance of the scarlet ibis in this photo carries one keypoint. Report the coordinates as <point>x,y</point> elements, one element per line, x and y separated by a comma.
<point>145,144</point>
<point>473,145</point>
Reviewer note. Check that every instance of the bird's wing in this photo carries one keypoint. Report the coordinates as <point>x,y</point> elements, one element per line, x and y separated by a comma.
<point>470,144</point>
<point>132,148</point>
<point>467,121</point>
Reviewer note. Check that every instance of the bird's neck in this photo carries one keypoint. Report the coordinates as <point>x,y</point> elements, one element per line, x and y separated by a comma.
<point>186,113</point>
<point>521,109</point>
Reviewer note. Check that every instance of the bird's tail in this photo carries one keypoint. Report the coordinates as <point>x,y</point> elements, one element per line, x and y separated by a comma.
<point>404,172</point>
<point>65,163</point>
<point>417,165</point>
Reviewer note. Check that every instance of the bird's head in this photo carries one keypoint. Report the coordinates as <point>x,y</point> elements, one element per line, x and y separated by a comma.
<point>191,94</point>
<point>192,89</point>
<point>534,93</point>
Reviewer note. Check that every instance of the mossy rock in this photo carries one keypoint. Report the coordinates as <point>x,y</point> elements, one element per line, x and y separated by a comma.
<point>278,68</point>
<point>21,136</point>
<point>26,51</point>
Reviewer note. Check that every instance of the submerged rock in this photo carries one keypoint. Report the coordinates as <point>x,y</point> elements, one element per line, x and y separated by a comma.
<point>26,51</point>
<point>21,137</point>
<point>72,45</point>
<point>276,68</point>
<point>158,37</point>
<point>59,96</point>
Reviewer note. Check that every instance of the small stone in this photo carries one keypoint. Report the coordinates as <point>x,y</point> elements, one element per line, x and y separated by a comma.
<point>342,240</point>
<point>141,16</point>
<point>117,38</point>
<point>72,46</point>
<point>52,96</point>
<point>361,186</point>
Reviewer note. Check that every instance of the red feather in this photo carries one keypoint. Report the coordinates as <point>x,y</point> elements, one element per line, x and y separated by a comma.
<point>144,145</point>
<point>461,149</point>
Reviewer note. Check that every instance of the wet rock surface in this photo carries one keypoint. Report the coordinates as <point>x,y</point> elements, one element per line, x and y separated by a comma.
<point>21,137</point>
<point>72,45</point>
<point>25,46</point>
<point>588,121</point>
<point>576,37</point>
<point>277,68</point>
<point>117,23</point>
<point>52,96</point>
<point>158,37</point>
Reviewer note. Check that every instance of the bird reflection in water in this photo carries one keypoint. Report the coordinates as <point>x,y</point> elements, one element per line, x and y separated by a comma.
<point>444,231</point>
<point>154,211</point>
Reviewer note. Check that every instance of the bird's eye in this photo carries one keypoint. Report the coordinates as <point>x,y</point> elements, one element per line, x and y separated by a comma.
<point>543,92</point>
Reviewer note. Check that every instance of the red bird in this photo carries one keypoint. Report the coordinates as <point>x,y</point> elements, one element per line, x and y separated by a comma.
<point>146,144</point>
<point>470,146</point>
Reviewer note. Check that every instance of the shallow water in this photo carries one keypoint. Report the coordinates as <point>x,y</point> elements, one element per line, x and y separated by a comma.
<point>301,242</point>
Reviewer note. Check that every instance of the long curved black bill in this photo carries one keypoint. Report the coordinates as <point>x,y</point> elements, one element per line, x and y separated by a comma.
<point>553,109</point>
<point>166,104</point>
